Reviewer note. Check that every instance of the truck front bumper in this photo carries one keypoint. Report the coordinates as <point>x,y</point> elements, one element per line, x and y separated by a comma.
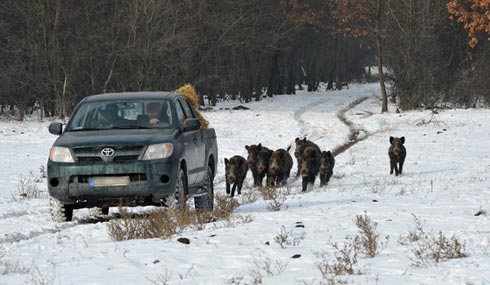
<point>121,182</point>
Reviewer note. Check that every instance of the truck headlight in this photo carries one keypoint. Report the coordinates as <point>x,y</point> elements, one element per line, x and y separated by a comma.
<point>60,154</point>
<point>158,151</point>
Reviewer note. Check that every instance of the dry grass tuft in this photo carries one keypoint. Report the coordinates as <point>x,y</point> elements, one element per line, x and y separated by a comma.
<point>224,207</point>
<point>162,223</point>
<point>431,248</point>
<point>369,238</point>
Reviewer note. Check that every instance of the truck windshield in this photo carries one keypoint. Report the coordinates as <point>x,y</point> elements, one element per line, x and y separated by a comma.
<point>141,114</point>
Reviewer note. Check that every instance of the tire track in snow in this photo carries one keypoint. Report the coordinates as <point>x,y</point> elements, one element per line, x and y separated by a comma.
<point>299,112</point>
<point>356,134</point>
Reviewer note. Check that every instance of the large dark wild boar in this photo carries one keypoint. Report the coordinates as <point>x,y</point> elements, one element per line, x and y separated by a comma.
<point>310,166</point>
<point>263,164</point>
<point>301,145</point>
<point>327,162</point>
<point>280,166</point>
<point>253,152</point>
<point>235,173</point>
<point>397,154</point>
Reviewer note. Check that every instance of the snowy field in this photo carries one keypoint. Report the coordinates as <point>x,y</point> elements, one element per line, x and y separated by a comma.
<point>444,191</point>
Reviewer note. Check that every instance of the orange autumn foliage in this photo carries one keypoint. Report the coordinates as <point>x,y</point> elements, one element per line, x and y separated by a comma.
<point>473,14</point>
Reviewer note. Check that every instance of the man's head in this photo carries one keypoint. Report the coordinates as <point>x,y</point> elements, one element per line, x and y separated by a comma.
<point>154,109</point>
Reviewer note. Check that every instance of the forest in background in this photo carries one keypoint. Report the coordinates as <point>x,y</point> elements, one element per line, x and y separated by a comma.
<point>55,52</point>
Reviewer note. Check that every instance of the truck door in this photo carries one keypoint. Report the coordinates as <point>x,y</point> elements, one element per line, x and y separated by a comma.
<point>199,158</point>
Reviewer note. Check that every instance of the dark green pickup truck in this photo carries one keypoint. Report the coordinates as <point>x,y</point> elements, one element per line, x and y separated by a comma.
<point>131,149</point>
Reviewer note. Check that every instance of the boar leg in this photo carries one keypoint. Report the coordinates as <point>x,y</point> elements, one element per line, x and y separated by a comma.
<point>227,188</point>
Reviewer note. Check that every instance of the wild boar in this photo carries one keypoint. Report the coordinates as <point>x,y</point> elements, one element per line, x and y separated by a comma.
<point>263,164</point>
<point>280,166</point>
<point>397,154</point>
<point>252,158</point>
<point>327,162</point>
<point>310,166</point>
<point>235,173</point>
<point>301,145</point>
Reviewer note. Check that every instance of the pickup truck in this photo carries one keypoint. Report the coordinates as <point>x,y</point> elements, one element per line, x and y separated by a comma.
<point>111,154</point>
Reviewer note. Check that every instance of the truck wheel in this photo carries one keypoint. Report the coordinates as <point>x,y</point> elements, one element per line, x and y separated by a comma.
<point>60,212</point>
<point>96,211</point>
<point>206,202</point>
<point>181,189</point>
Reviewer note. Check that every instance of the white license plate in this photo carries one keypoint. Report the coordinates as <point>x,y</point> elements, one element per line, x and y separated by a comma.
<point>108,181</point>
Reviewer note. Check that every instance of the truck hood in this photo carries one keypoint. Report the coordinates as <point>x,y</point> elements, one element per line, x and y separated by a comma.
<point>115,137</point>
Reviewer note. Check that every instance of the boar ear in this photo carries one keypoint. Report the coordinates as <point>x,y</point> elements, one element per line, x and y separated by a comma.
<point>226,161</point>
<point>296,140</point>
<point>246,147</point>
<point>329,153</point>
<point>304,139</point>
<point>259,145</point>
<point>391,139</point>
<point>324,152</point>
<point>402,139</point>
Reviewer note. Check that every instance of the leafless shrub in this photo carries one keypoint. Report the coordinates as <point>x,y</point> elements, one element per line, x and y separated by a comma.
<point>344,261</point>
<point>41,277</point>
<point>7,267</point>
<point>287,238</point>
<point>264,266</point>
<point>236,280</point>
<point>237,220</point>
<point>369,238</point>
<point>27,187</point>
<point>268,193</point>
<point>224,207</point>
<point>162,223</point>
<point>162,278</point>
<point>249,197</point>
<point>429,247</point>
<point>276,202</point>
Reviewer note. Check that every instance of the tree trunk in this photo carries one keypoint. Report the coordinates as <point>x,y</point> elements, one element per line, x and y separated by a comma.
<point>384,106</point>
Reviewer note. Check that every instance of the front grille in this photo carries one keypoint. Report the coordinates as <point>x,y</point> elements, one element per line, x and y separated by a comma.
<point>121,153</point>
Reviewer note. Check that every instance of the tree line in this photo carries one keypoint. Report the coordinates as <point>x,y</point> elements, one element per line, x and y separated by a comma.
<point>55,52</point>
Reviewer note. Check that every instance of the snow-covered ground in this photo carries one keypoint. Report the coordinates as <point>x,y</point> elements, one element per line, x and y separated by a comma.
<point>444,189</point>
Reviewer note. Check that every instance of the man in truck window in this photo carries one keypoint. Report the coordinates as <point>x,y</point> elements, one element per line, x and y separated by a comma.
<point>154,111</point>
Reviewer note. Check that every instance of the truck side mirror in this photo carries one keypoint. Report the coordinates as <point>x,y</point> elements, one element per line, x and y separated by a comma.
<point>55,128</point>
<point>191,124</point>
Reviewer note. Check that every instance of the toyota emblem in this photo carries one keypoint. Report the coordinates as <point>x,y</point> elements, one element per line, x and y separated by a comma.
<point>107,152</point>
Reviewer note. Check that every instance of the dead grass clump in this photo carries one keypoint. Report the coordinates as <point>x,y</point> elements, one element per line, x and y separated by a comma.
<point>287,238</point>
<point>431,248</point>
<point>267,192</point>
<point>224,207</point>
<point>265,267</point>
<point>369,239</point>
<point>344,261</point>
<point>162,223</point>
<point>27,187</point>
<point>275,197</point>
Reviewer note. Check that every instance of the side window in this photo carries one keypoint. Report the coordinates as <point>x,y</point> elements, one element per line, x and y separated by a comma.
<point>187,109</point>
<point>180,112</point>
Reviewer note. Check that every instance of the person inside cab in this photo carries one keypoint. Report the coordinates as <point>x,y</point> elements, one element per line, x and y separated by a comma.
<point>154,111</point>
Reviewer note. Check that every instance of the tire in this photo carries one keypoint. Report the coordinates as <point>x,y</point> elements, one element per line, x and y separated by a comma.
<point>60,212</point>
<point>206,202</point>
<point>181,189</point>
<point>96,211</point>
